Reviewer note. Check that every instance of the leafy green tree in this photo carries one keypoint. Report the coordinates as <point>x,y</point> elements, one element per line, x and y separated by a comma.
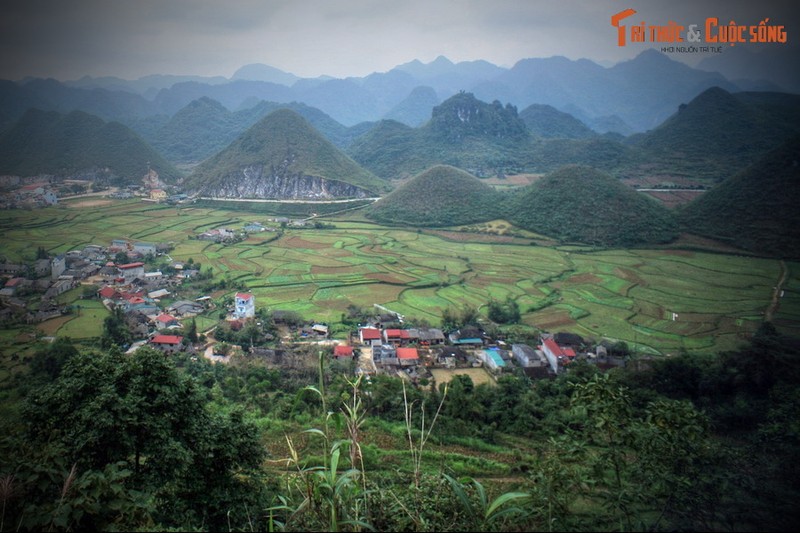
<point>453,319</point>
<point>140,411</point>
<point>49,361</point>
<point>115,330</point>
<point>191,331</point>
<point>504,312</point>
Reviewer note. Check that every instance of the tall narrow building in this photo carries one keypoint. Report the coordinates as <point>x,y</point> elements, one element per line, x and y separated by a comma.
<point>245,305</point>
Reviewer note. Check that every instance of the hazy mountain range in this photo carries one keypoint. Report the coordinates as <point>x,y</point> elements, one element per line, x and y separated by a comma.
<point>631,96</point>
<point>412,136</point>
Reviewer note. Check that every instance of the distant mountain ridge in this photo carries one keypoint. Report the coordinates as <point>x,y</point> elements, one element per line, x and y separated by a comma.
<point>640,92</point>
<point>205,127</point>
<point>718,133</point>
<point>463,132</point>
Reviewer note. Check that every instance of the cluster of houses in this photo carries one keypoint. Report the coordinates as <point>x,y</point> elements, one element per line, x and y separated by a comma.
<point>412,352</point>
<point>29,195</point>
<point>128,286</point>
<point>151,191</point>
<point>230,235</point>
<point>44,191</point>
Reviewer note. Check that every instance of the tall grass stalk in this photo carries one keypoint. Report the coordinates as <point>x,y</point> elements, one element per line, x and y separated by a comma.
<point>327,488</point>
<point>424,434</point>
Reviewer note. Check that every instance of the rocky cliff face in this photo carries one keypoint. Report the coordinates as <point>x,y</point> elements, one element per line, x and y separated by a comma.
<point>255,181</point>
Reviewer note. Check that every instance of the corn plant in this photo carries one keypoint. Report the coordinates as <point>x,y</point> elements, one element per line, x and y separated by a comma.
<point>487,515</point>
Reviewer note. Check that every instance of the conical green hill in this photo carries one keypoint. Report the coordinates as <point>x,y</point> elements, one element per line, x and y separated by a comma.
<point>440,196</point>
<point>757,209</point>
<point>283,156</point>
<point>581,204</point>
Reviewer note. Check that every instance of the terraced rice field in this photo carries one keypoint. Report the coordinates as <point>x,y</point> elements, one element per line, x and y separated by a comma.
<point>661,301</point>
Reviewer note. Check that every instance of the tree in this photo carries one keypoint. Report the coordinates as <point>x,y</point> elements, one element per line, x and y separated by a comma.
<point>49,361</point>
<point>139,411</point>
<point>121,258</point>
<point>504,312</point>
<point>191,331</point>
<point>115,330</point>
<point>454,319</point>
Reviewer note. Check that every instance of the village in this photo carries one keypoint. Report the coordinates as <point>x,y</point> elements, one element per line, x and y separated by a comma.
<point>126,277</point>
<point>46,190</point>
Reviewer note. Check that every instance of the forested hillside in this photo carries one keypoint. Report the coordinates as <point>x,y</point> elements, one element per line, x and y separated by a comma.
<point>47,142</point>
<point>756,209</point>
<point>717,133</point>
<point>280,157</point>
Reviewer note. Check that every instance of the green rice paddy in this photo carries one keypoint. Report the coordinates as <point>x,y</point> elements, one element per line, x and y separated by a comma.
<point>661,301</point>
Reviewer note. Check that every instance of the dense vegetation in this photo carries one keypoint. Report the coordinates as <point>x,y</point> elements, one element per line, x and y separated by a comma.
<point>104,441</point>
<point>755,210</point>
<point>65,145</point>
<point>573,204</point>
<point>585,205</point>
<point>94,439</point>
<point>440,196</point>
<point>282,143</point>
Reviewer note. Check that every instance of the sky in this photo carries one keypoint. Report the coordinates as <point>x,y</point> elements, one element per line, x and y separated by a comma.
<point>69,39</point>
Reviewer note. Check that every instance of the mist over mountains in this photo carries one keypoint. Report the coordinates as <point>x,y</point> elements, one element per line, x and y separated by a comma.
<point>632,96</point>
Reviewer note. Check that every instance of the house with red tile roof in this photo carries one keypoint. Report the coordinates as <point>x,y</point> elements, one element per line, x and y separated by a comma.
<point>342,350</point>
<point>131,271</point>
<point>371,336</point>
<point>398,337</point>
<point>165,320</point>
<point>244,305</point>
<point>408,356</point>
<point>168,343</point>
<point>556,354</point>
<point>108,293</point>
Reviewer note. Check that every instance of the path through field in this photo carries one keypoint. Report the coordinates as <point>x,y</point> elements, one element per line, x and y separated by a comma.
<point>776,293</point>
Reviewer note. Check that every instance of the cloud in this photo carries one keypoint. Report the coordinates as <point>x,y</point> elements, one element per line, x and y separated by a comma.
<point>314,37</point>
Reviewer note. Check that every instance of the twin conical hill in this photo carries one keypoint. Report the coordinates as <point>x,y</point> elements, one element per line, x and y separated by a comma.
<point>581,204</point>
<point>757,209</point>
<point>283,157</point>
<point>204,127</point>
<point>47,142</point>
<point>440,196</point>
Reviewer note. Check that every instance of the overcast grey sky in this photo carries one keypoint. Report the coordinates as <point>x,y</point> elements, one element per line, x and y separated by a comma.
<point>67,39</point>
